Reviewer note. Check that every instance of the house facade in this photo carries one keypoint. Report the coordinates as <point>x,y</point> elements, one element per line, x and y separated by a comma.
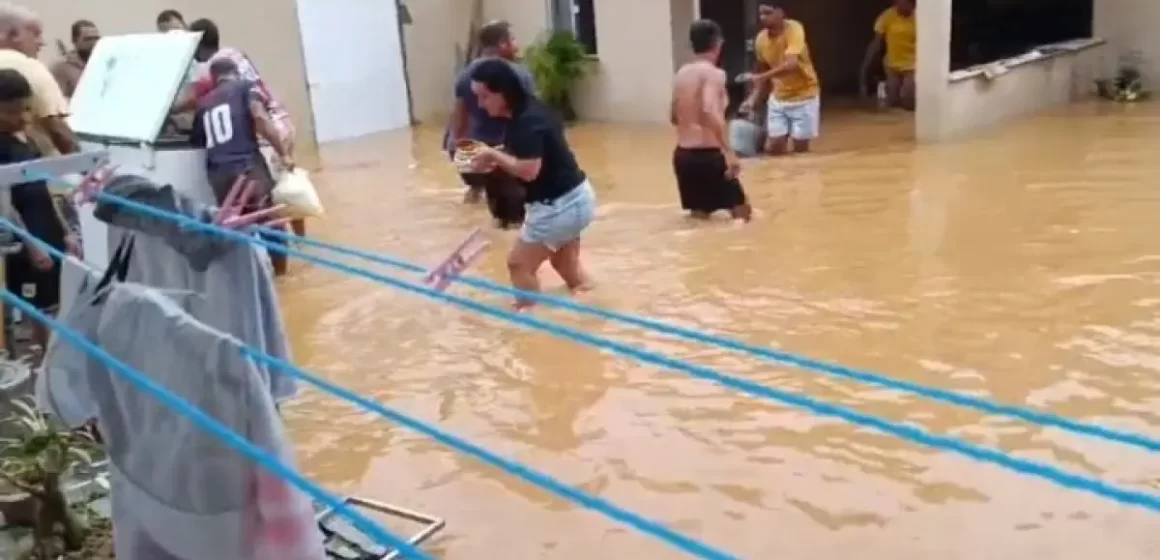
<point>641,42</point>
<point>344,69</point>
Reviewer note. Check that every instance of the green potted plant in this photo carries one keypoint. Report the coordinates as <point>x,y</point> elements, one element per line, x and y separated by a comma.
<point>558,61</point>
<point>36,464</point>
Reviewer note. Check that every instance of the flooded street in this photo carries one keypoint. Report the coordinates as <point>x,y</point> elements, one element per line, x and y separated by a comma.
<point>1022,266</point>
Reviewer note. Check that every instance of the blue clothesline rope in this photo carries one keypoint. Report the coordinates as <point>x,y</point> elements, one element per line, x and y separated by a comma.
<point>902,431</point>
<point>775,356</point>
<point>608,509</point>
<point>212,426</point>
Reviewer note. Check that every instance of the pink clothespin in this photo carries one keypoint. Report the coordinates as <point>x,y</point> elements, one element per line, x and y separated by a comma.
<point>232,214</point>
<point>469,250</point>
<point>93,182</point>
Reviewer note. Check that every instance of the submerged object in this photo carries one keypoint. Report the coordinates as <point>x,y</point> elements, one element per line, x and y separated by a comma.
<point>745,137</point>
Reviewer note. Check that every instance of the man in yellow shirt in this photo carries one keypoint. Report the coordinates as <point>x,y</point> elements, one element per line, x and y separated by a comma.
<point>784,67</point>
<point>895,29</point>
<point>21,38</point>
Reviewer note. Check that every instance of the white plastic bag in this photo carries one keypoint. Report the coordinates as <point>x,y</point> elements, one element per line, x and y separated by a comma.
<point>295,190</point>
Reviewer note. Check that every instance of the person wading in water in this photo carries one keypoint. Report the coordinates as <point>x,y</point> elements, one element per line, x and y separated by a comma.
<point>706,166</point>
<point>561,202</point>
<point>210,50</point>
<point>228,124</point>
<point>469,120</point>
<point>785,68</point>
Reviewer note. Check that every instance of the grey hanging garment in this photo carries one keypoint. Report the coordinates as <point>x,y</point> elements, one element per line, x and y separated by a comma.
<point>235,277</point>
<point>178,492</point>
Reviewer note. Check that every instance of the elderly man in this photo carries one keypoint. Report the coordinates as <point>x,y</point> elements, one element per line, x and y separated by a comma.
<point>209,50</point>
<point>21,37</point>
<point>229,122</point>
<point>69,69</point>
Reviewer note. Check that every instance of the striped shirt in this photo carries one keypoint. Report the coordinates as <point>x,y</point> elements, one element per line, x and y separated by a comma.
<point>249,72</point>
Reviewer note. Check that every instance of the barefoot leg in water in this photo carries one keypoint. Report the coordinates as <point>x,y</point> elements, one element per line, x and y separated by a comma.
<point>743,212</point>
<point>567,264</point>
<point>524,262</point>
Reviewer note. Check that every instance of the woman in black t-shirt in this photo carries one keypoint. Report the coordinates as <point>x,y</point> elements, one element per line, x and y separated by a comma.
<point>560,200</point>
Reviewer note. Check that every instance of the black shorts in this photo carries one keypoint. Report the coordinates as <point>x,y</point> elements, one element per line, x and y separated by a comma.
<point>40,288</point>
<point>702,183</point>
<point>505,195</point>
<point>222,180</point>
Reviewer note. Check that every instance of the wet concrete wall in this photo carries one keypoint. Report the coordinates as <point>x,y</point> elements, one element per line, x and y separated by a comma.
<point>438,28</point>
<point>642,42</point>
<point>953,109</point>
<point>1129,26</point>
<point>634,65</point>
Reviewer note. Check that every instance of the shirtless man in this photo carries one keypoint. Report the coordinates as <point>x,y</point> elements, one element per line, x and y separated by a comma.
<point>707,169</point>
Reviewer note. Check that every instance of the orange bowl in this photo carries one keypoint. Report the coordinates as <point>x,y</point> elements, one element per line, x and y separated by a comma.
<point>467,146</point>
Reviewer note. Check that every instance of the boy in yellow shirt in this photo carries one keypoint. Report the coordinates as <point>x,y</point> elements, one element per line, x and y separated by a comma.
<point>784,67</point>
<point>895,29</point>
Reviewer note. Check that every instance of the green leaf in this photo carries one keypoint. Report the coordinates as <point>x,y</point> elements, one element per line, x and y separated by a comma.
<point>81,456</point>
<point>558,62</point>
<point>26,408</point>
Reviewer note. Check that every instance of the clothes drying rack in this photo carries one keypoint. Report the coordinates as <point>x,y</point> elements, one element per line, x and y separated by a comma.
<point>342,541</point>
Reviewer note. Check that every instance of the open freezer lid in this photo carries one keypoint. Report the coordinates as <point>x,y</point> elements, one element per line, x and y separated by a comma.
<point>129,85</point>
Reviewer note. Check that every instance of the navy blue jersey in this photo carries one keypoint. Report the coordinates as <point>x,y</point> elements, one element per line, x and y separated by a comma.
<point>224,126</point>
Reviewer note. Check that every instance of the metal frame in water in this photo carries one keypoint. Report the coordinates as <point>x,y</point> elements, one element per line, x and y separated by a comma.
<point>341,545</point>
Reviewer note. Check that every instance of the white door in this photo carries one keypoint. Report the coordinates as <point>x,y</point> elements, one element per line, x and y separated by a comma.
<point>354,67</point>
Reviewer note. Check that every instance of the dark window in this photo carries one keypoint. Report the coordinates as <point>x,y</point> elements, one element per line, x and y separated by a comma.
<point>985,31</point>
<point>579,17</point>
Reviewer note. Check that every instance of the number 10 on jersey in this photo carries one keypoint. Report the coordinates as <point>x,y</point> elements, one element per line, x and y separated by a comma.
<point>218,124</point>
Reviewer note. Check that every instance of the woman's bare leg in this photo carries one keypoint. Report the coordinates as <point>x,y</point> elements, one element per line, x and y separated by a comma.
<point>524,262</point>
<point>566,263</point>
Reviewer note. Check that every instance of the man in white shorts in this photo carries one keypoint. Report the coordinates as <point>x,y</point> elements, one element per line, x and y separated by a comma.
<point>786,72</point>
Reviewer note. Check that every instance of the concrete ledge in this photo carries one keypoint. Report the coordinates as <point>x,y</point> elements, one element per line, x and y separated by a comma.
<point>994,70</point>
<point>1050,76</point>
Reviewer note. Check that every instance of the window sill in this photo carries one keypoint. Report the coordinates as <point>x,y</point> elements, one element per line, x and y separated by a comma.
<point>993,70</point>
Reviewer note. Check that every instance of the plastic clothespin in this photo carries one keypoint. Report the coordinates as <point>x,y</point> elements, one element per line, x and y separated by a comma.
<point>93,182</point>
<point>232,214</point>
<point>469,251</point>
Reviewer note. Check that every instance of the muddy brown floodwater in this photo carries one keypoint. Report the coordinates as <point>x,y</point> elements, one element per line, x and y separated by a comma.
<point>1021,266</point>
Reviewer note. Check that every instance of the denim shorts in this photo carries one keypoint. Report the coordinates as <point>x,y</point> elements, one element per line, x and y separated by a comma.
<point>555,224</point>
<point>796,119</point>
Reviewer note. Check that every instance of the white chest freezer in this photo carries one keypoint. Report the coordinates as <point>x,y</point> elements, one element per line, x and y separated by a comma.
<point>121,105</point>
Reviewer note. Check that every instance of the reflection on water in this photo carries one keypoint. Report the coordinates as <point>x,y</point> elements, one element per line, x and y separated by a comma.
<point>1021,266</point>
